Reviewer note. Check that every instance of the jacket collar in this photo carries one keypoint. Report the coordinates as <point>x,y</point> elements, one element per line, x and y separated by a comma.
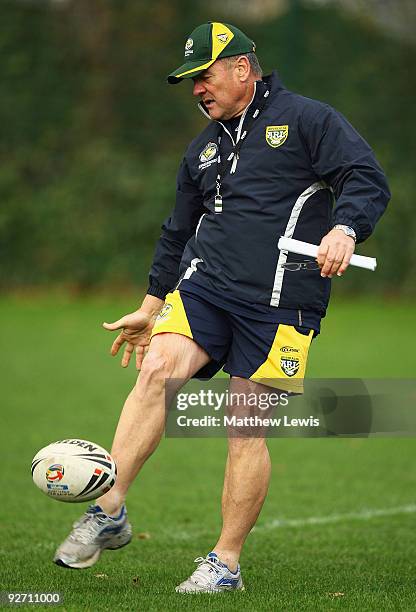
<point>270,82</point>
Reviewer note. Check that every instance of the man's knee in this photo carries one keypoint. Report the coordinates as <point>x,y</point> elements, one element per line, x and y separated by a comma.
<point>156,368</point>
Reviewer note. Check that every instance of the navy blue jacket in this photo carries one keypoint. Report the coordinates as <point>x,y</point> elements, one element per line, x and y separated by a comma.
<point>301,169</point>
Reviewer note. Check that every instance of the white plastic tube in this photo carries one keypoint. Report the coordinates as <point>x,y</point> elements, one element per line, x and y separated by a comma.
<point>311,250</point>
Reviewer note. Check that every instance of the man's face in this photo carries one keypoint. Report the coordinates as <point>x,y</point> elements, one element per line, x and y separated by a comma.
<point>221,90</point>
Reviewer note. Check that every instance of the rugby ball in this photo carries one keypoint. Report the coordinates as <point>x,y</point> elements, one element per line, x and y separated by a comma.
<point>73,470</point>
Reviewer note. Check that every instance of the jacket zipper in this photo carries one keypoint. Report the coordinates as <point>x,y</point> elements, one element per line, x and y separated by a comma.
<point>240,135</point>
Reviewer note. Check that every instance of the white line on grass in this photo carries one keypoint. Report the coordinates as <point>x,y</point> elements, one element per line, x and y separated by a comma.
<point>362,515</point>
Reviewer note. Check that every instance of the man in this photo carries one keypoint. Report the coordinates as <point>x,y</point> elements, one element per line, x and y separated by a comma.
<point>268,164</point>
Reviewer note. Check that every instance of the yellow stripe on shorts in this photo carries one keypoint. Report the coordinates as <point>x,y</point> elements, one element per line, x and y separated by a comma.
<point>172,318</point>
<point>285,365</point>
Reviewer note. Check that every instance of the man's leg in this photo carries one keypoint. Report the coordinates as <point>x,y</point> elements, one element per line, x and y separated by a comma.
<point>246,481</point>
<point>247,475</point>
<point>140,427</point>
<point>142,421</point>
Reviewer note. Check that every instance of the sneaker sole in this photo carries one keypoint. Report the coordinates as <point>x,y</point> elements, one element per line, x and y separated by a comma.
<point>88,562</point>
<point>212,592</point>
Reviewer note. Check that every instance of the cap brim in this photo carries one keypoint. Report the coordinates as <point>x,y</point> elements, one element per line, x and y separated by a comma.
<point>189,70</point>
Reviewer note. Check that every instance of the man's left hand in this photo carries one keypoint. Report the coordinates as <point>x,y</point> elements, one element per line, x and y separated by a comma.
<point>334,253</point>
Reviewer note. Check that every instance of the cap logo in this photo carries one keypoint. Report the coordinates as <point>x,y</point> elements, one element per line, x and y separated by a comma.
<point>188,47</point>
<point>222,38</point>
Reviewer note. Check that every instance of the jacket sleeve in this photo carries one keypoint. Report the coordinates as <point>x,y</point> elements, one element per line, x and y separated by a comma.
<point>176,231</point>
<point>346,162</point>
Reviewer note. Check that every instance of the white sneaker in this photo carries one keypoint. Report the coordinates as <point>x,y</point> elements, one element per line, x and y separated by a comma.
<point>93,533</point>
<point>211,576</point>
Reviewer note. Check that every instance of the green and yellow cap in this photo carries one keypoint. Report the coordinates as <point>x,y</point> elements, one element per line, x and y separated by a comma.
<point>207,43</point>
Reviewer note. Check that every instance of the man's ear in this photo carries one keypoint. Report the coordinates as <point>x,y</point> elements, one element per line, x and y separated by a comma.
<point>243,68</point>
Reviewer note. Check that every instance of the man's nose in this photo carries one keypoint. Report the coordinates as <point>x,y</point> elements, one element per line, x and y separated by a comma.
<point>198,88</point>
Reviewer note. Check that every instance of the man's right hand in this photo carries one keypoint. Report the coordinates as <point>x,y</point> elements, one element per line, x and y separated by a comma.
<point>136,329</point>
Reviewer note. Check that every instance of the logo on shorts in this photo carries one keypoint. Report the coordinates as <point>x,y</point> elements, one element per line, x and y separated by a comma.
<point>164,313</point>
<point>276,135</point>
<point>289,349</point>
<point>289,365</point>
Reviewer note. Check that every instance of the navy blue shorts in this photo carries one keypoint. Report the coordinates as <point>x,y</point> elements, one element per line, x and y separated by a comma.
<point>243,346</point>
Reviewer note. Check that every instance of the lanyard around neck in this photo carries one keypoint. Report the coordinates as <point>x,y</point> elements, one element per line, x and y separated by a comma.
<point>233,157</point>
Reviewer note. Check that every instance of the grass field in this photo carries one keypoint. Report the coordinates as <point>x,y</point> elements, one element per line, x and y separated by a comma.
<point>338,528</point>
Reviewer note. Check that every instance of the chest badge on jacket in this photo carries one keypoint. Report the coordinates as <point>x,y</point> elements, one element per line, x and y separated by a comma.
<point>208,155</point>
<point>276,135</point>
